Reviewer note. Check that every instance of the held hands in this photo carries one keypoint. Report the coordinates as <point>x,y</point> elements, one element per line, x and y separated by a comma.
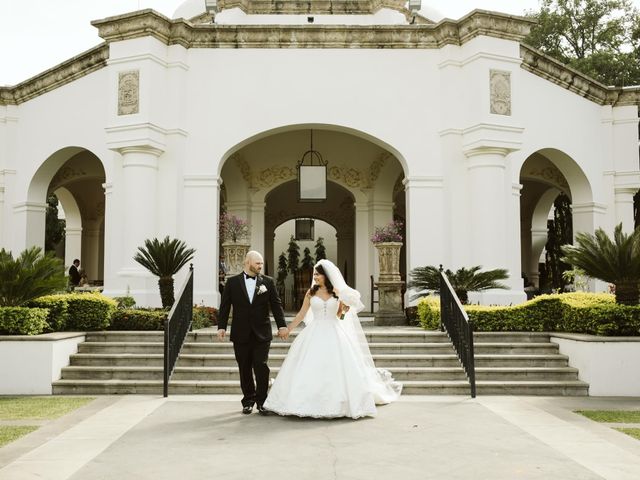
<point>221,333</point>
<point>283,333</point>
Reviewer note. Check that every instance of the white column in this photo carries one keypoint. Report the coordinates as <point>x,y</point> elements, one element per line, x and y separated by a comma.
<point>490,206</point>
<point>72,245</point>
<point>538,241</point>
<point>514,242</point>
<point>140,192</point>
<point>200,227</point>
<point>29,226</point>
<point>112,244</point>
<point>587,217</point>
<point>624,207</point>
<point>257,227</point>
<point>364,252</point>
<point>90,248</point>
<point>426,230</point>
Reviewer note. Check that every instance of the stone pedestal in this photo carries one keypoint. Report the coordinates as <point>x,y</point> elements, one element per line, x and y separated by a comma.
<point>234,254</point>
<point>389,286</point>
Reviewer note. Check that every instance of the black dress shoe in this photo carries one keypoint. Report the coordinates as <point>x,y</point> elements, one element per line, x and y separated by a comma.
<point>247,409</point>
<point>262,410</point>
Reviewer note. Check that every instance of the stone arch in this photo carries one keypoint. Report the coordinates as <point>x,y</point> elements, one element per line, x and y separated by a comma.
<point>545,174</point>
<point>78,174</point>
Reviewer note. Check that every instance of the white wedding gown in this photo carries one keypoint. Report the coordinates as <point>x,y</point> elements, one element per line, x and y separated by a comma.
<point>326,374</point>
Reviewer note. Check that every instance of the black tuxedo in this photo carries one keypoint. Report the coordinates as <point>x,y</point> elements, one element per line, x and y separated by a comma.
<point>251,331</point>
<point>74,276</point>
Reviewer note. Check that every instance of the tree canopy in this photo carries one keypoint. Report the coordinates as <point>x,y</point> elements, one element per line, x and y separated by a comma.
<point>600,38</point>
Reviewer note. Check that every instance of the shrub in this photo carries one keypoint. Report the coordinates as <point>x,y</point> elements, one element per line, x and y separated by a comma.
<point>58,311</point>
<point>23,321</point>
<point>89,311</point>
<point>204,317</point>
<point>579,312</point>
<point>138,319</point>
<point>411,314</point>
<point>125,302</point>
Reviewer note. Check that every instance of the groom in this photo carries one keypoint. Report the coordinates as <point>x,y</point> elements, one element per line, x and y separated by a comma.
<point>251,294</point>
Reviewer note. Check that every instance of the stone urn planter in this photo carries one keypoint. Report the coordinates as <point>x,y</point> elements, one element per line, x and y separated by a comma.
<point>234,253</point>
<point>389,285</point>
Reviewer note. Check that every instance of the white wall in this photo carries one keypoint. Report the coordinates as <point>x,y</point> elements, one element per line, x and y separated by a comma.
<point>608,364</point>
<point>28,365</point>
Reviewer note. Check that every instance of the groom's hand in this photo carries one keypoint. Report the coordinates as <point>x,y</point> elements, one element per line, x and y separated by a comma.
<point>221,333</point>
<point>283,333</point>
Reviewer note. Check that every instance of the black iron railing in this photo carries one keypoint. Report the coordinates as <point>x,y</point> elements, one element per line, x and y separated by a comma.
<point>454,320</point>
<point>176,327</point>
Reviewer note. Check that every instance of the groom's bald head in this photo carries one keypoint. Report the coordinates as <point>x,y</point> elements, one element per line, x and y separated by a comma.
<point>253,262</point>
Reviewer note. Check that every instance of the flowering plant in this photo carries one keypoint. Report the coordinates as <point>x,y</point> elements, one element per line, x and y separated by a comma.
<point>233,228</point>
<point>391,232</point>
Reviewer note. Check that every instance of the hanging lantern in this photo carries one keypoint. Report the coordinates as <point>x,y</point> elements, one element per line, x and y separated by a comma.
<point>312,176</point>
<point>304,229</point>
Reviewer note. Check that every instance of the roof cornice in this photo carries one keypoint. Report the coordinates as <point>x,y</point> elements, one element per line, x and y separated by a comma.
<point>550,69</point>
<point>62,74</point>
<point>182,32</point>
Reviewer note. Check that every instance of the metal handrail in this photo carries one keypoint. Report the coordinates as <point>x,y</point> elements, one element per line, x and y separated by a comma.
<point>176,327</point>
<point>456,322</point>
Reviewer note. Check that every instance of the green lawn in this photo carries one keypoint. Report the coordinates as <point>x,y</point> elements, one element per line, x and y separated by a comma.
<point>9,434</point>
<point>612,416</point>
<point>39,408</point>
<point>633,432</point>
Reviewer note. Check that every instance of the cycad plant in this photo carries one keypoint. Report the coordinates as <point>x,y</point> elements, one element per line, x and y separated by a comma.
<point>164,259</point>
<point>31,275</point>
<point>463,281</point>
<point>616,261</point>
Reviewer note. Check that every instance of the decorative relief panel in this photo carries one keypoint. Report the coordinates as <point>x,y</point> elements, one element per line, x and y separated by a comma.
<point>549,174</point>
<point>500,86</point>
<point>66,174</point>
<point>128,92</point>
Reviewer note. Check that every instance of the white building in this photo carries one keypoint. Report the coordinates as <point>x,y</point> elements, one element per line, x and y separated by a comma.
<point>456,127</point>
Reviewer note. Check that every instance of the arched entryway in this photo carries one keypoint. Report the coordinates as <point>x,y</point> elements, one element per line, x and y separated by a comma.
<point>544,176</point>
<point>363,183</point>
<point>76,177</point>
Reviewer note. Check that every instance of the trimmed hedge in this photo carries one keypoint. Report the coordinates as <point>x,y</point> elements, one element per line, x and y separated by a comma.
<point>579,312</point>
<point>58,311</point>
<point>77,311</point>
<point>23,321</point>
<point>136,319</point>
<point>204,317</point>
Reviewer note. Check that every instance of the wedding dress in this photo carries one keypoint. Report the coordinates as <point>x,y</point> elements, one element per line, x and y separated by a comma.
<point>328,371</point>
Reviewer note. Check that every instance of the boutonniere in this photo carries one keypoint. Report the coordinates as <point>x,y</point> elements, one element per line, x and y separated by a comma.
<point>261,290</point>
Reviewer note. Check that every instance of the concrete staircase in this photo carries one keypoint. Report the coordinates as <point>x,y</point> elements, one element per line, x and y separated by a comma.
<point>424,361</point>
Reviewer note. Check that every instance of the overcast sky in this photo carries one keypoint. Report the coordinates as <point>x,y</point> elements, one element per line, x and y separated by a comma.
<point>38,34</point>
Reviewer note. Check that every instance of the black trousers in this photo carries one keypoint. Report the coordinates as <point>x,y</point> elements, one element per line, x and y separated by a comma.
<point>252,360</point>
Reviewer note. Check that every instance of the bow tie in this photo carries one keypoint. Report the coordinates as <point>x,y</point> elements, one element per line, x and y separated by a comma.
<point>248,277</point>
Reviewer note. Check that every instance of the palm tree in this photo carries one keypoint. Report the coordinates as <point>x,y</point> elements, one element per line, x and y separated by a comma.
<point>616,261</point>
<point>164,259</point>
<point>463,280</point>
<point>31,275</point>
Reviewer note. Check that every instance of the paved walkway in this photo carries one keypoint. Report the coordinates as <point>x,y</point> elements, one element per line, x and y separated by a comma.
<point>194,437</point>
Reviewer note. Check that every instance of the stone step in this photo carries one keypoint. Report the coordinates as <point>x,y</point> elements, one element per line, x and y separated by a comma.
<point>515,348</point>
<point>510,337</point>
<point>373,335</point>
<point>451,387</point>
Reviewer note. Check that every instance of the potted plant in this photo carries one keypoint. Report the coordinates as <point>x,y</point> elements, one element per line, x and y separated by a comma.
<point>388,241</point>
<point>234,232</point>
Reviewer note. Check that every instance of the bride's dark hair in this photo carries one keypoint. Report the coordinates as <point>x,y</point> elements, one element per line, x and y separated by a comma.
<point>327,282</point>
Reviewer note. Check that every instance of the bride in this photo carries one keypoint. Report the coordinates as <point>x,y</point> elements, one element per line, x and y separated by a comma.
<point>329,371</point>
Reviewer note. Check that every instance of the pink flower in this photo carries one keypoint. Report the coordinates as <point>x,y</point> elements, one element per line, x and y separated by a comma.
<point>389,233</point>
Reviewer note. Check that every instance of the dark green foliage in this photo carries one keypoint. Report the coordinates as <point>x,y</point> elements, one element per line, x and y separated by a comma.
<point>29,276</point>
<point>125,302</point>
<point>596,37</point>
<point>595,314</point>
<point>204,317</point>
<point>616,261</point>
<point>22,321</point>
<point>636,210</point>
<point>138,319</point>
<point>293,251</point>
<point>559,233</point>
<point>54,227</point>
<point>282,270</point>
<point>321,251</point>
<point>58,308</point>
<point>307,260</point>
<point>89,311</point>
<point>164,259</point>
<point>464,280</point>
